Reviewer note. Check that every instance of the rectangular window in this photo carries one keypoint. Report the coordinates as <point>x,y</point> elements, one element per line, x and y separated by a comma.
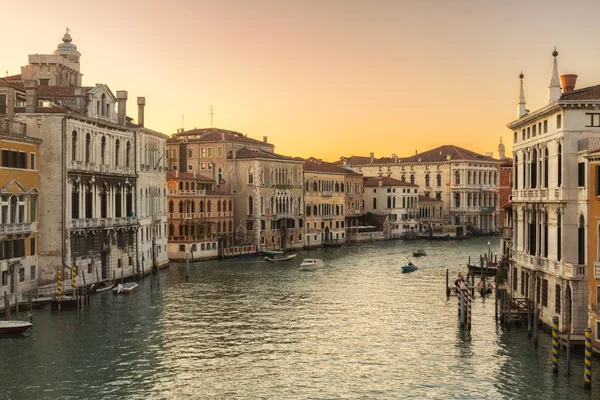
<point>202,152</point>
<point>581,174</point>
<point>597,324</point>
<point>3,104</point>
<point>593,119</point>
<point>32,273</point>
<point>21,274</point>
<point>546,126</point>
<point>558,121</point>
<point>202,166</point>
<point>32,247</point>
<point>182,247</point>
<point>209,152</point>
<point>190,153</point>
<point>4,278</point>
<point>219,151</point>
<point>31,160</point>
<point>545,293</point>
<point>250,225</point>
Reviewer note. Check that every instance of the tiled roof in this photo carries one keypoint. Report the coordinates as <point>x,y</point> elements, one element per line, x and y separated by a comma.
<point>13,77</point>
<point>588,93</point>
<point>386,181</point>
<point>314,165</point>
<point>439,154</point>
<point>215,135</point>
<point>356,160</point>
<point>246,153</point>
<point>507,162</point>
<point>188,175</point>
<point>427,198</point>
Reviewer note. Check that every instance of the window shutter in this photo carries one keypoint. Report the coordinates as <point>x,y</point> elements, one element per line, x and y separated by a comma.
<point>597,180</point>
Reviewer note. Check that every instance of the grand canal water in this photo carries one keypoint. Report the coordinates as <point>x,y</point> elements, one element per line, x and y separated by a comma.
<point>247,329</point>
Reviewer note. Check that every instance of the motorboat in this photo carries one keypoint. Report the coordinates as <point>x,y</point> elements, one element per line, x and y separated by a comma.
<point>309,264</point>
<point>419,253</point>
<point>272,252</point>
<point>102,286</point>
<point>409,268</point>
<point>125,287</point>
<point>14,326</point>
<point>283,257</point>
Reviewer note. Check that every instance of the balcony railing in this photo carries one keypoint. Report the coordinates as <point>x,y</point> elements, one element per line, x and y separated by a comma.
<point>575,271</point>
<point>327,193</point>
<point>285,215</point>
<point>349,195</point>
<point>81,223</point>
<point>187,192</point>
<point>597,271</point>
<point>101,168</point>
<point>328,216</point>
<point>12,229</point>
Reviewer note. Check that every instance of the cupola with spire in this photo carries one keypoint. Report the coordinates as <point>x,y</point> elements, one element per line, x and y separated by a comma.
<point>521,110</point>
<point>67,49</point>
<point>555,90</point>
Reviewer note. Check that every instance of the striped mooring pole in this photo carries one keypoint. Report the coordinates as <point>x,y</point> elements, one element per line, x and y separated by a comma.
<point>74,278</point>
<point>469,299</point>
<point>587,377</point>
<point>59,283</point>
<point>555,345</point>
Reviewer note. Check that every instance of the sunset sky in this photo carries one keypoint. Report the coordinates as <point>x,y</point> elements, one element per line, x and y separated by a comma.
<point>321,78</point>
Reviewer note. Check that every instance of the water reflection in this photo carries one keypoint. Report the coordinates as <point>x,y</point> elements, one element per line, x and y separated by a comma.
<point>250,329</point>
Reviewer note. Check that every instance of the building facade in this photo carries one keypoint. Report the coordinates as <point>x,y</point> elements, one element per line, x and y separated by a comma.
<point>550,200</point>
<point>593,248</point>
<point>465,181</point>
<point>431,214</point>
<point>324,199</point>
<point>19,192</point>
<point>354,199</point>
<point>200,219</point>
<point>397,201</point>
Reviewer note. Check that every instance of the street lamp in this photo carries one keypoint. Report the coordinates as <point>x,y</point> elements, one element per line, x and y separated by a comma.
<point>489,251</point>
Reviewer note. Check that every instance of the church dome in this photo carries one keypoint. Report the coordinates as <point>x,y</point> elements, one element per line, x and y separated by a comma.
<point>66,46</point>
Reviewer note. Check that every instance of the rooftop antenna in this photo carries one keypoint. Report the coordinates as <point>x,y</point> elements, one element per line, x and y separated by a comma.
<point>182,122</point>
<point>211,113</point>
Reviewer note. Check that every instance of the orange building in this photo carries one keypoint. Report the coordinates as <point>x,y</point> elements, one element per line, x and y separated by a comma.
<point>18,210</point>
<point>200,219</point>
<point>593,255</point>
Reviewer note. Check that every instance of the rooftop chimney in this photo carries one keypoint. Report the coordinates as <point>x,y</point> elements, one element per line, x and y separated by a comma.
<point>141,101</point>
<point>265,139</point>
<point>568,82</point>
<point>31,96</point>
<point>122,111</point>
<point>372,155</point>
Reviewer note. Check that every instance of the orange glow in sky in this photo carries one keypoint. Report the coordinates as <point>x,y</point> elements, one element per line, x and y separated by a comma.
<point>321,78</point>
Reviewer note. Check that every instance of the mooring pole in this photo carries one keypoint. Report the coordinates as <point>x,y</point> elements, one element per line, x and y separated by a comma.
<point>587,376</point>
<point>529,319</point>
<point>568,353</point>
<point>555,345</point>
<point>536,316</point>
<point>6,307</point>
<point>187,266</point>
<point>447,283</point>
<point>16,307</point>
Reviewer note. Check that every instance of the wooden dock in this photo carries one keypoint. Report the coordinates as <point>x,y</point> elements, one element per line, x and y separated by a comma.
<point>576,340</point>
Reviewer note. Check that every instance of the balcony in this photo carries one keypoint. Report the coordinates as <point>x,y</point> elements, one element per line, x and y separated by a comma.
<point>18,229</point>
<point>574,271</point>
<point>327,193</point>
<point>284,215</point>
<point>83,223</point>
<point>328,216</point>
<point>597,271</point>
<point>186,215</point>
<point>186,192</point>
<point>100,168</point>
<point>350,195</point>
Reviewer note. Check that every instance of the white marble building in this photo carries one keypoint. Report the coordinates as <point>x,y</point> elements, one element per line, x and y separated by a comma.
<point>549,199</point>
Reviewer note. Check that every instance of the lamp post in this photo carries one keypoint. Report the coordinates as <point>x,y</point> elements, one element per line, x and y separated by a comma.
<point>489,251</point>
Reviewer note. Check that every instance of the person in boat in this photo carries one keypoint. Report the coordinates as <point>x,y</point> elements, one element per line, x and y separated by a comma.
<point>410,264</point>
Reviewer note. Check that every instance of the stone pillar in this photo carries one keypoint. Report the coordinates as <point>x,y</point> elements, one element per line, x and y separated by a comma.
<point>31,96</point>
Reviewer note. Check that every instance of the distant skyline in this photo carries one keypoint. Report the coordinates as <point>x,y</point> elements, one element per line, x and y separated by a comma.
<point>322,78</point>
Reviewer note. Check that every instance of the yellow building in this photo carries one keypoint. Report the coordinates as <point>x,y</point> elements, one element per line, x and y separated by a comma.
<point>18,211</point>
<point>593,258</point>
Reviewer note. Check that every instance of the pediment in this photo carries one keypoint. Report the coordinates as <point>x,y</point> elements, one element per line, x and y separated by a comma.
<point>13,187</point>
<point>101,89</point>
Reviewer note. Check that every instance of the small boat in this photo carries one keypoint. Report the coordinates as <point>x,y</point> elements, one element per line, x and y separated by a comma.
<point>309,264</point>
<point>272,252</point>
<point>14,326</point>
<point>409,268</point>
<point>477,270</point>
<point>102,286</point>
<point>419,253</point>
<point>125,287</point>
<point>283,257</point>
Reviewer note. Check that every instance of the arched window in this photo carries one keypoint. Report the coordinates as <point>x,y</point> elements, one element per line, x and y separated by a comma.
<point>533,169</point>
<point>559,237</point>
<point>117,148</point>
<point>439,179</point>
<point>171,230</point>
<point>374,203</point>
<point>427,180</point>
<point>315,210</point>
<point>230,226</point>
<point>230,205</point>
<point>250,176</point>
<point>457,177</point>
<point>412,179</point>
<point>250,206</point>
<point>201,204</point>
<point>187,186</point>
<point>128,154</point>
<point>171,206</point>
<point>545,182</point>
<point>103,103</point>
<point>516,173</point>
<point>180,206</point>
<point>103,150</point>
<point>457,200</point>
<point>88,145</point>
<point>219,206</point>
<point>193,207</point>
<point>74,146</point>
<point>219,176</point>
<point>208,206</point>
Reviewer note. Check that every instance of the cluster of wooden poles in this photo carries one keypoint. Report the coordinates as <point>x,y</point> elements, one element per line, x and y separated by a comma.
<point>7,309</point>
